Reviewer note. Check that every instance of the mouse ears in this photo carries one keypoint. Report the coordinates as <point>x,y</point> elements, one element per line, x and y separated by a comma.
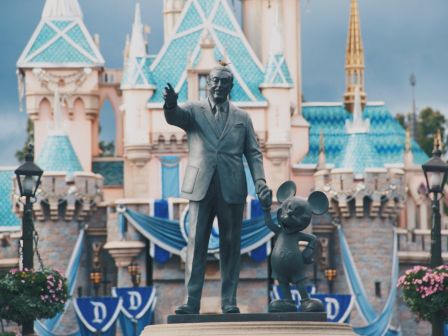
<point>318,202</point>
<point>286,190</point>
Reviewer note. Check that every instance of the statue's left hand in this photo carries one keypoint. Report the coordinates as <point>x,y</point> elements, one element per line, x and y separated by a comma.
<point>264,194</point>
<point>308,255</point>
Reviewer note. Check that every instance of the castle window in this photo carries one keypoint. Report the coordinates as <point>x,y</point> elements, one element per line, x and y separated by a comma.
<point>202,89</point>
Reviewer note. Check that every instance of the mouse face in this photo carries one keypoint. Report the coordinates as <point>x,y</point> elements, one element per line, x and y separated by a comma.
<point>295,214</point>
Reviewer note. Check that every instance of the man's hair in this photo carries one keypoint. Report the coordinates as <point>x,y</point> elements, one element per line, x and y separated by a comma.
<point>222,68</point>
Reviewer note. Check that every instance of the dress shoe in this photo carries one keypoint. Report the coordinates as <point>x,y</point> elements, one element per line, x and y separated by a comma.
<point>312,305</point>
<point>230,309</point>
<point>186,309</point>
<point>282,306</point>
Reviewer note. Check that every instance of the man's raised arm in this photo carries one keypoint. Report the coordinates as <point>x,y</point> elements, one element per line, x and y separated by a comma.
<point>175,115</point>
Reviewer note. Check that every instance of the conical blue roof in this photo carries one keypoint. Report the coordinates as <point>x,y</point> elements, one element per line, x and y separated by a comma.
<point>137,74</point>
<point>277,72</point>
<point>61,40</point>
<point>216,19</point>
<point>58,155</point>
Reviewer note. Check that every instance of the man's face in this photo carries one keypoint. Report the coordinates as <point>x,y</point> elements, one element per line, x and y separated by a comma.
<point>219,85</point>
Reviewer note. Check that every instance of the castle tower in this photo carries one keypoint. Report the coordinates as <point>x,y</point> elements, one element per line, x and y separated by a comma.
<point>354,60</point>
<point>276,88</point>
<point>137,86</point>
<point>62,59</point>
<point>172,10</point>
<point>259,17</point>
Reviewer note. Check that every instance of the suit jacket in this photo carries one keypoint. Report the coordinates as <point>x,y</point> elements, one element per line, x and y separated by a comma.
<point>210,151</point>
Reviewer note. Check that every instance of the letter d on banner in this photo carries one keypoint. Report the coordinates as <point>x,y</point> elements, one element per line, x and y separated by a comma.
<point>135,300</point>
<point>99,312</point>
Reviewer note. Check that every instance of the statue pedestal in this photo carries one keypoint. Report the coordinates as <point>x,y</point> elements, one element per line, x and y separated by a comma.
<point>274,324</point>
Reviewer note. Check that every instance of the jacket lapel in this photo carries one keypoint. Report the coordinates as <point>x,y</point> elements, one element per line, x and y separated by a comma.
<point>230,121</point>
<point>209,116</point>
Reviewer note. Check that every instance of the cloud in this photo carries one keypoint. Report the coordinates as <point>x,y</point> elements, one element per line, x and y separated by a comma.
<point>12,135</point>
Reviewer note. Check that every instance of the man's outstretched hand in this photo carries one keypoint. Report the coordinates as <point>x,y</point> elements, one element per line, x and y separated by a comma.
<point>170,97</point>
<point>264,194</point>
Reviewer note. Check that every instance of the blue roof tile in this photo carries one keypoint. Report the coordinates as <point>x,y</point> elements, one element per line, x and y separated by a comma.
<point>60,51</point>
<point>58,154</point>
<point>45,35</point>
<point>223,20</point>
<point>206,5</point>
<point>8,220</point>
<point>137,73</point>
<point>277,72</point>
<point>192,19</point>
<point>73,46</point>
<point>386,138</point>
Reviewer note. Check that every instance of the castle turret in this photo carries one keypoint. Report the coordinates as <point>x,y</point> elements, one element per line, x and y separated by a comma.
<point>354,60</point>
<point>137,86</point>
<point>276,87</point>
<point>62,57</point>
<point>258,19</point>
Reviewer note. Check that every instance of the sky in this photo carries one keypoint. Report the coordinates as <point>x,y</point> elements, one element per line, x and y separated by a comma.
<point>400,37</point>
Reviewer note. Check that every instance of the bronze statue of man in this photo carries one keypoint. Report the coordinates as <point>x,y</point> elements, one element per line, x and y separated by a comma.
<point>219,134</point>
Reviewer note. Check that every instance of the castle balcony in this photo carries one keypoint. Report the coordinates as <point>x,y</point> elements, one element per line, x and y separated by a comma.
<point>63,195</point>
<point>111,77</point>
<point>414,246</point>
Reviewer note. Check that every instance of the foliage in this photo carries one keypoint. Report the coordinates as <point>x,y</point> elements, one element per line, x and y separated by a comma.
<point>107,148</point>
<point>20,154</point>
<point>401,118</point>
<point>7,334</point>
<point>429,121</point>
<point>28,295</point>
<point>425,291</point>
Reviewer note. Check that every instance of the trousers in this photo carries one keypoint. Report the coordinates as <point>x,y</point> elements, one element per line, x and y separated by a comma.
<point>202,215</point>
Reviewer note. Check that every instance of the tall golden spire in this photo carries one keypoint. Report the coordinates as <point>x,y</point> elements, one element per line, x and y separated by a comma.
<point>354,60</point>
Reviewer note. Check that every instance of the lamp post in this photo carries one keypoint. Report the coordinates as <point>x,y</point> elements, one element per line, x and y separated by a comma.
<point>134,271</point>
<point>436,172</point>
<point>330,274</point>
<point>28,179</point>
<point>95,279</point>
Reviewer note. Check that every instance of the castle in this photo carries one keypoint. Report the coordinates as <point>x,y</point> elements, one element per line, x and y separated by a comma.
<point>353,150</point>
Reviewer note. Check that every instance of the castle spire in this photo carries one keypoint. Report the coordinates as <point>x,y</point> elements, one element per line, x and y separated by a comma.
<point>62,8</point>
<point>354,60</point>
<point>137,46</point>
<point>358,125</point>
<point>277,72</point>
<point>321,163</point>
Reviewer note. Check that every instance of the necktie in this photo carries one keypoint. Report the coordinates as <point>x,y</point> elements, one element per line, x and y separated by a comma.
<point>219,117</point>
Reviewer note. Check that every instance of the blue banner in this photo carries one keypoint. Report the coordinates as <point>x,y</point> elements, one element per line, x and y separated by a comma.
<point>160,255</point>
<point>138,308</point>
<point>97,314</point>
<point>337,306</point>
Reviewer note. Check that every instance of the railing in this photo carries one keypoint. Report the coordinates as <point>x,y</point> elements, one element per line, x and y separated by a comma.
<point>111,77</point>
<point>414,246</point>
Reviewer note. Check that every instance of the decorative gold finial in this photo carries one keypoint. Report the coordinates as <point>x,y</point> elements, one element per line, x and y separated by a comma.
<point>438,140</point>
<point>354,59</point>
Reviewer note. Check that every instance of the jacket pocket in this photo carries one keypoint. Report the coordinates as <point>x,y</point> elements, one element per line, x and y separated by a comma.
<point>191,173</point>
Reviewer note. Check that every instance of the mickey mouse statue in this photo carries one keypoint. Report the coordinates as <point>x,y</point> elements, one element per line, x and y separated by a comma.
<point>287,261</point>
